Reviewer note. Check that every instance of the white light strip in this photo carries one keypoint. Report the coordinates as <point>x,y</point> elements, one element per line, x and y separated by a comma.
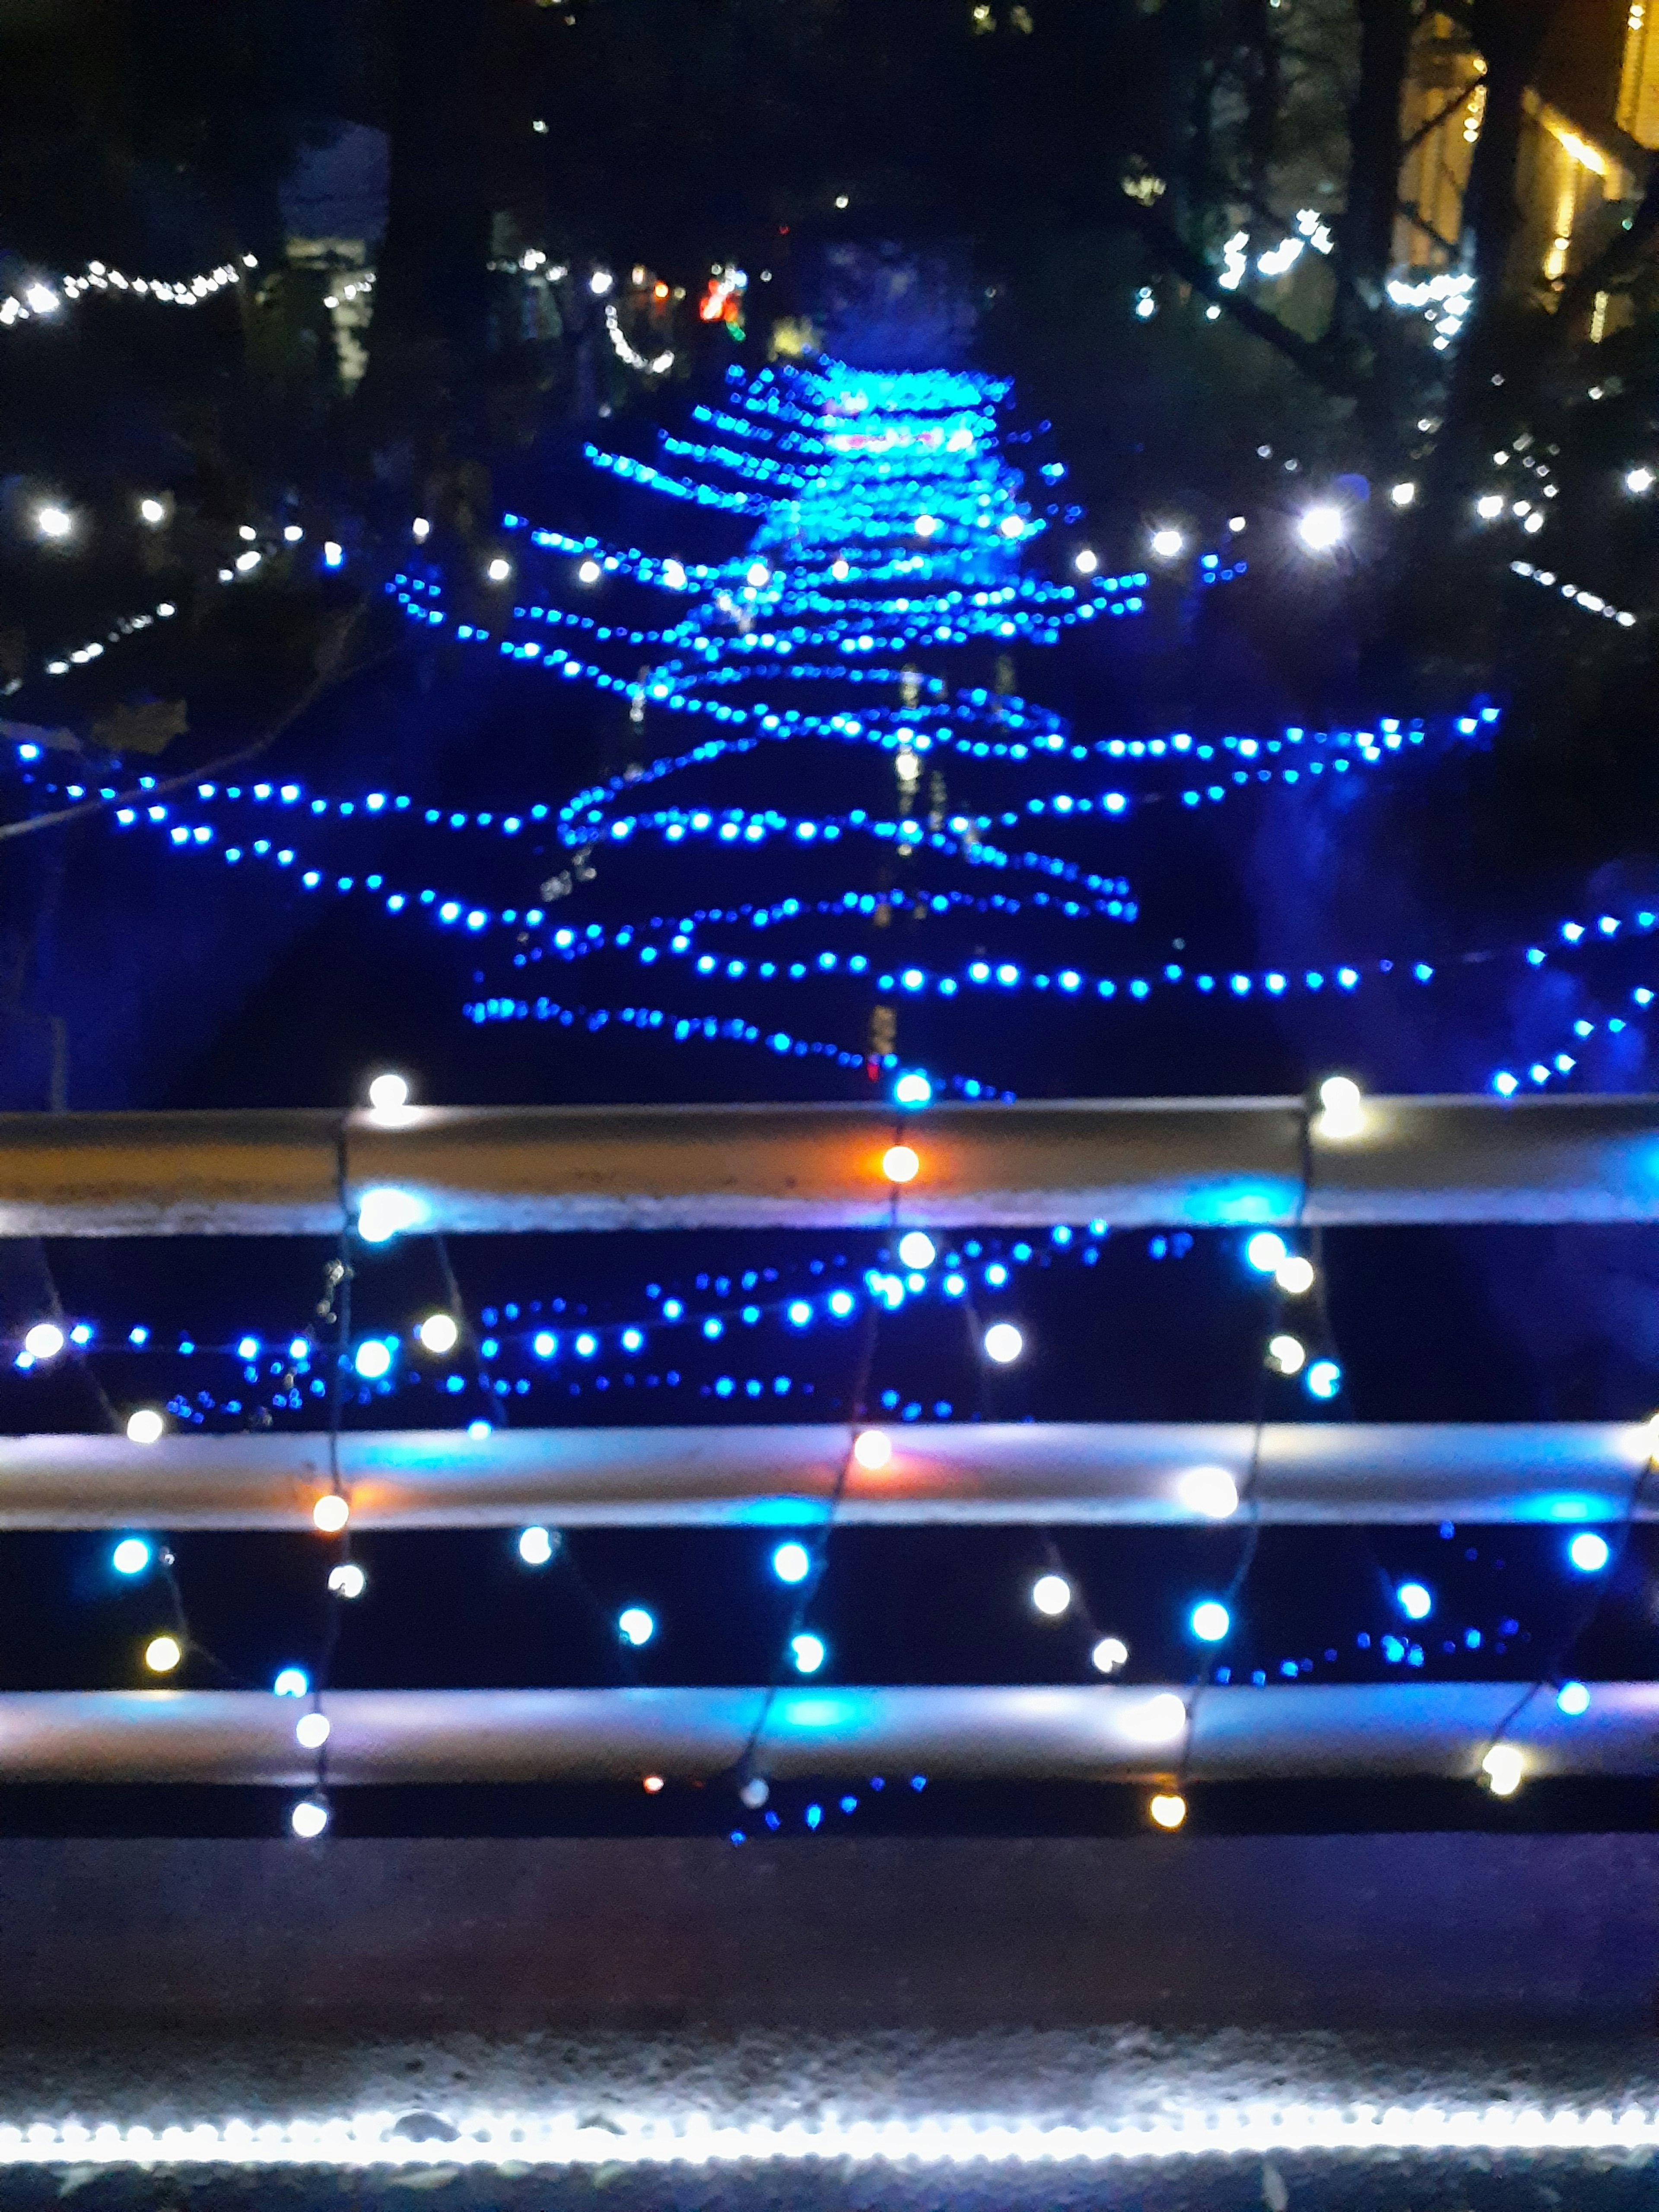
<point>1591,602</point>
<point>41,298</point>
<point>369,2140</point>
<point>657,365</point>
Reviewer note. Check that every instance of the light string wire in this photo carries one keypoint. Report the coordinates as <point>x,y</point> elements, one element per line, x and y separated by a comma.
<point>1569,1639</point>
<point>330,673</point>
<point>337,1277</point>
<point>1249,1496</point>
<point>498,1414</point>
<point>744,1768</point>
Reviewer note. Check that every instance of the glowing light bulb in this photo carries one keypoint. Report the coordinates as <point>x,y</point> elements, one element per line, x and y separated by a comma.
<point>790,1563</point>
<point>1002,1342</point>
<point>1402,494</point>
<point>385,1213</point>
<point>1320,529</point>
<point>1286,1353</point>
<point>589,572</point>
<point>331,1513</point>
<point>420,528</point>
<point>758,573</point>
<point>333,554</point>
<point>1638,481</point>
<point>900,1164</point>
<point>438,1333</point>
<point>162,1654</point>
<point>42,299</point>
<point>926,525</point>
<point>499,569</point>
<point>54,523</point>
<point>872,1449</point>
<point>600,283</point>
<point>1085,561</point>
<point>1573,1699</point>
<point>1011,526</point>
<point>1210,1491</point>
<point>292,1682</point>
<point>1162,1719</point>
<point>1294,1275</point>
<point>1324,1378</point>
<point>1109,1655</point>
<point>1414,1602</point>
<point>347,1580</point>
<point>309,1819</point>
<point>807,1653</point>
<point>373,1358</point>
<point>911,1089</point>
<point>44,1340</point>
<point>755,1792</point>
<point>653,1783</point>
<point>1051,1595</point>
<point>145,1426</point>
<point>1343,1107</point>
<point>152,511</point>
<point>535,1547</point>
<point>1209,1620</point>
<point>130,1556</point>
<point>1167,543</point>
<point>916,1250</point>
<point>388,1092</point>
<point>1490,506</point>
<point>1168,1808</point>
<point>1265,1251</point>
<point>311,1731</point>
<point>1589,1552</point>
<point>635,1625</point>
<point>1503,1768</point>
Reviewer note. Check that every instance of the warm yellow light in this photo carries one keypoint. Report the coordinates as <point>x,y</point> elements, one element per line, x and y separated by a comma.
<point>331,1513</point>
<point>1501,1768</point>
<point>900,1164</point>
<point>162,1654</point>
<point>1168,1809</point>
<point>654,1782</point>
<point>872,1449</point>
<point>1343,1105</point>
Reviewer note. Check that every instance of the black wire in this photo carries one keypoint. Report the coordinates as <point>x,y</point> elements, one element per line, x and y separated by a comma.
<point>818,1547</point>
<point>1249,1495</point>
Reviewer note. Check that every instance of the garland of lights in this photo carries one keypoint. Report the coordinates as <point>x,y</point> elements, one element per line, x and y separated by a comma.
<point>42,298</point>
<point>888,522</point>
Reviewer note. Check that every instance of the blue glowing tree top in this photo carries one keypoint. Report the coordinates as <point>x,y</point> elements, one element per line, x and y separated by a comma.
<point>857,819</point>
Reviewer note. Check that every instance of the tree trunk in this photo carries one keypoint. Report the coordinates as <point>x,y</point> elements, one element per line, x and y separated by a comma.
<point>1365,232</point>
<point>431,294</point>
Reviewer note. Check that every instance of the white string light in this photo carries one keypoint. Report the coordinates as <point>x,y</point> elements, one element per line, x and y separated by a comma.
<point>654,365</point>
<point>1591,602</point>
<point>654,2140</point>
<point>44,298</point>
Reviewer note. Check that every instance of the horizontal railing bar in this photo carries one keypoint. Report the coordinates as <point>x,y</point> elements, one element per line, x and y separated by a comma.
<point>763,1475</point>
<point>1195,1162</point>
<point>1098,1734</point>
